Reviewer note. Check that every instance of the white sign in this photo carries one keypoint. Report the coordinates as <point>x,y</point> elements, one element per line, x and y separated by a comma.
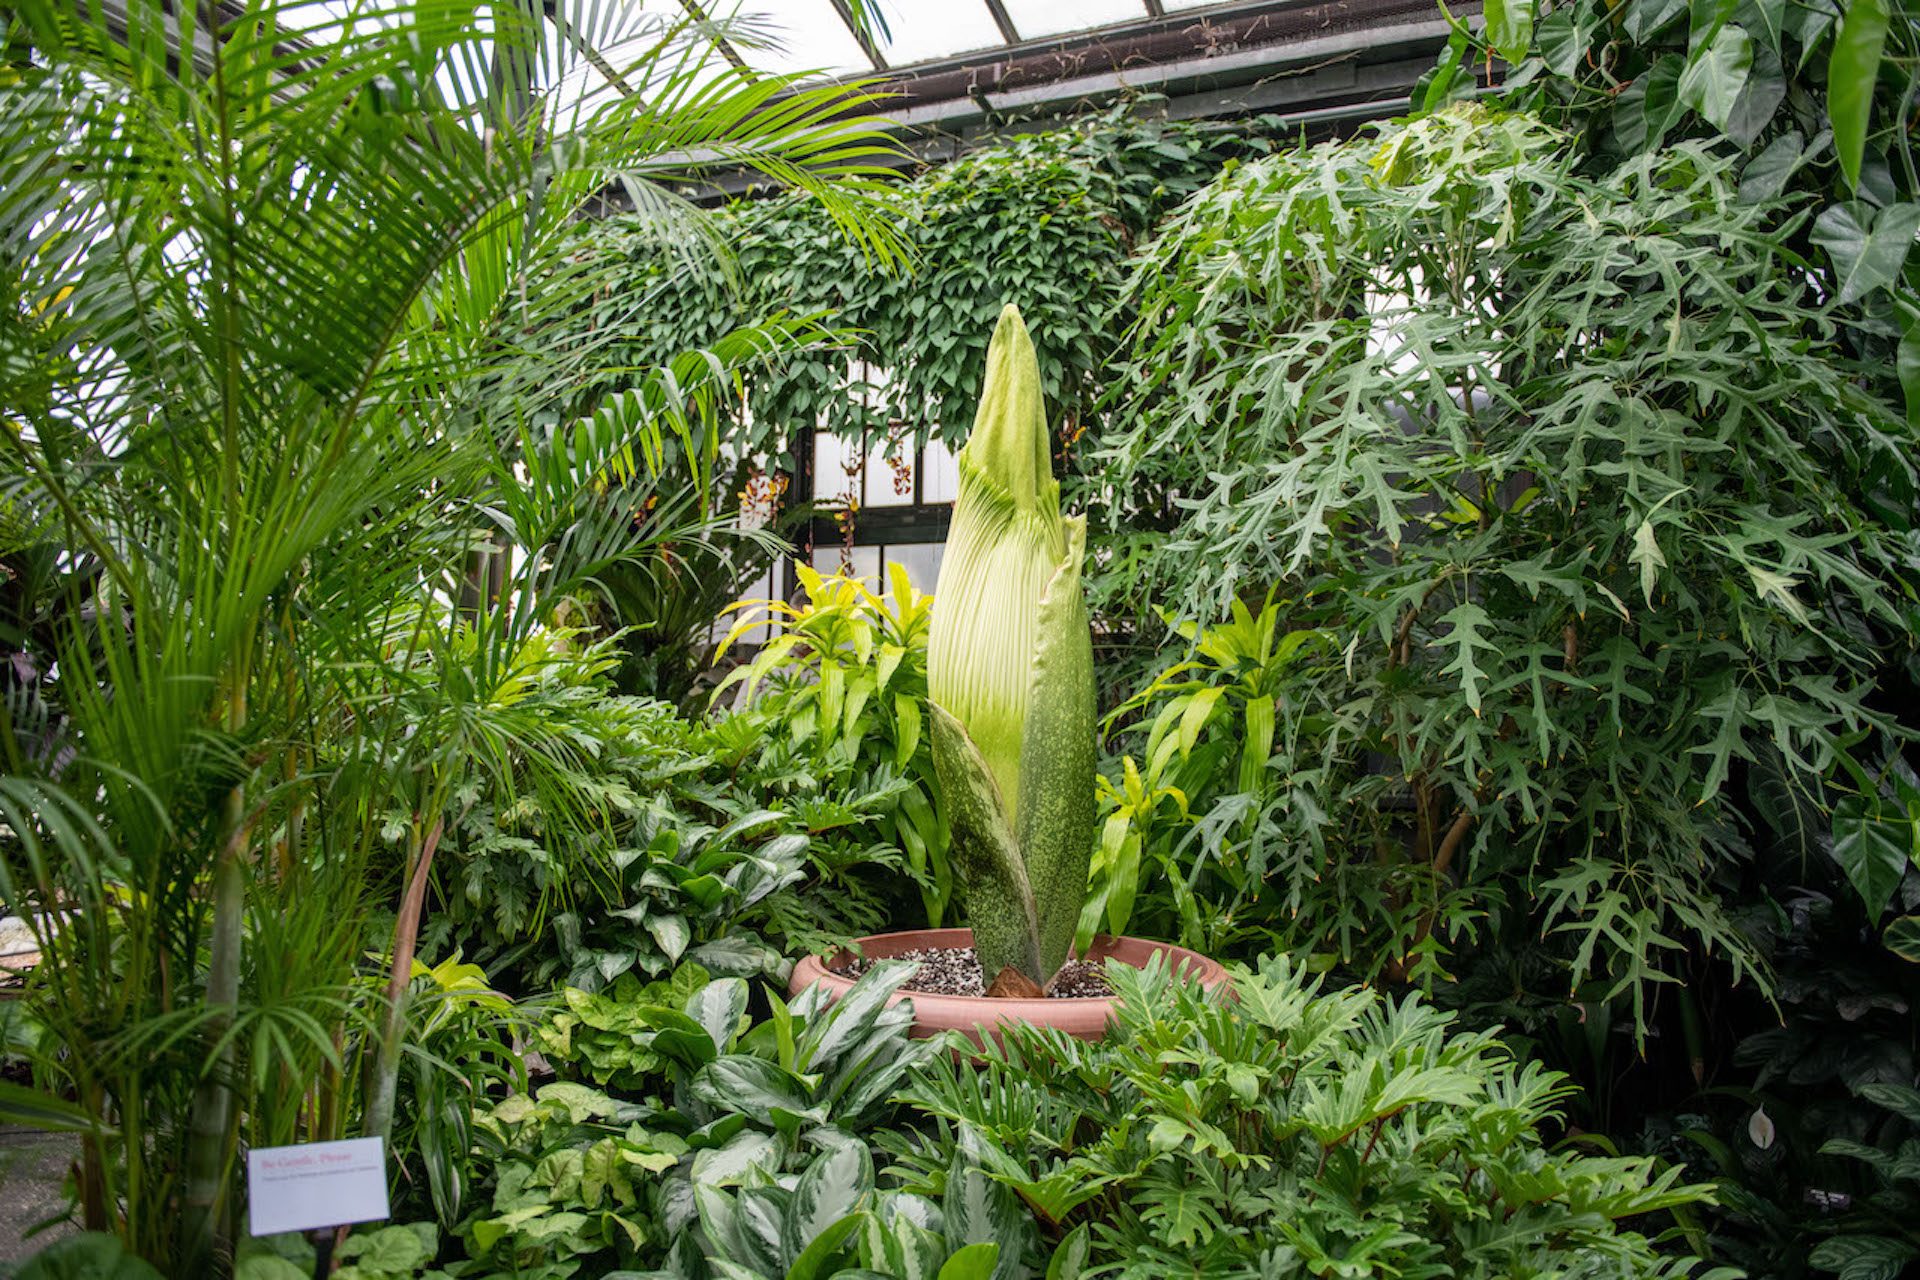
<point>316,1184</point>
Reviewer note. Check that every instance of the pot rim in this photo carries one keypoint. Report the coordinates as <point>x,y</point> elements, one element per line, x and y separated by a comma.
<point>815,968</point>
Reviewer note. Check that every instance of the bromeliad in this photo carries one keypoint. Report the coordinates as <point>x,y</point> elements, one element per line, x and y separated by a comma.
<point>1010,678</point>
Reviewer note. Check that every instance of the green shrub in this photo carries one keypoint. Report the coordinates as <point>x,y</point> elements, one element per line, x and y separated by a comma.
<point>1289,1132</point>
<point>1581,509</point>
<point>678,842</point>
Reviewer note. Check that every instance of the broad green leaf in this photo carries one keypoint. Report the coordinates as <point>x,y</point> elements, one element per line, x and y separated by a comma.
<point>91,1256</point>
<point>1510,28</point>
<point>1258,745</point>
<point>750,1085</point>
<point>979,1210</point>
<point>1763,20</point>
<point>1647,108</point>
<point>971,1262</point>
<point>1070,1258</point>
<point>1903,938</point>
<point>1563,37</point>
<point>269,1266</point>
<point>906,714</point>
<point>1715,76</point>
<point>1647,17</point>
<point>1907,365</point>
<point>1868,246</point>
<point>1768,173</point>
<point>1853,65</point>
<point>671,934</point>
<point>1872,848</point>
<point>1863,1257</point>
<point>1902,1100</point>
<point>1123,885</point>
<point>399,1250</point>
<point>1446,73</point>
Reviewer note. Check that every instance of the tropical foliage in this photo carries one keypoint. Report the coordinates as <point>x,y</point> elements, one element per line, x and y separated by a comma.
<point>1289,1131</point>
<point>1501,555</point>
<point>263,404</point>
<point>1545,538</point>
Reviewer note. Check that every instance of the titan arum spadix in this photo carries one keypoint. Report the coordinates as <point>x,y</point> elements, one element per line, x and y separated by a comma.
<point>1010,678</point>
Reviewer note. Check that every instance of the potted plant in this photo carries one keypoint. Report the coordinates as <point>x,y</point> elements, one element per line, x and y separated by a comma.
<point>1011,705</point>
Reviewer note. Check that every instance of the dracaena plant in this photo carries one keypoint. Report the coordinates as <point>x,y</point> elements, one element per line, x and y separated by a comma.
<point>1010,679</point>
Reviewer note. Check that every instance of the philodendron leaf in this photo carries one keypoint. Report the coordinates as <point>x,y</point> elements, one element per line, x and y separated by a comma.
<point>1714,77</point>
<point>1872,847</point>
<point>1510,28</point>
<point>999,897</point>
<point>1868,246</point>
<point>1903,938</point>
<point>1056,778</point>
<point>1853,65</point>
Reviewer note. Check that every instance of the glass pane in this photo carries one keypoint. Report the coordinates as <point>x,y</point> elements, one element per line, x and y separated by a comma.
<point>940,474</point>
<point>862,561</point>
<point>1036,18</point>
<point>656,59</point>
<point>921,560</point>
<point>795,36</point>
<point>831,480</point>
<point>937,30</point>
<point>889,480</point>
<point>1171,5</point>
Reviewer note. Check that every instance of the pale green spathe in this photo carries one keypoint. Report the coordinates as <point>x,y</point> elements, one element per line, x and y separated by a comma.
<point>1010,672</point>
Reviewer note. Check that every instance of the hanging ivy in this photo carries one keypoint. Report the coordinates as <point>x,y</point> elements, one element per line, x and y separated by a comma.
<point>1046,220</point>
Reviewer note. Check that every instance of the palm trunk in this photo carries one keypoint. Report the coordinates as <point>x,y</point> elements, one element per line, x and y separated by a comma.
<point>406,934</point>
<point>212,1117</point>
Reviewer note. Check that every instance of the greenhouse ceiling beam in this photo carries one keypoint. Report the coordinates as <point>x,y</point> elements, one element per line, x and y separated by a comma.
<point>698,12</point>
<point>1368,59</point>
<point>1003,20</point>
<point>1241,31</point>
<point>1327,88</point>
<point>862,36</point>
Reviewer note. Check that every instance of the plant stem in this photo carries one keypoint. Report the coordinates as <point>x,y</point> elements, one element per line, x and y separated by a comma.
<point>406,934</point>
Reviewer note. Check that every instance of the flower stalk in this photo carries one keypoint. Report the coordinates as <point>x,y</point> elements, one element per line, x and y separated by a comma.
<point>1010,674</point>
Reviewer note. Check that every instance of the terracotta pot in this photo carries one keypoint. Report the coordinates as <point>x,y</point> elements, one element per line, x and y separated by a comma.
<point>1085,1017</point>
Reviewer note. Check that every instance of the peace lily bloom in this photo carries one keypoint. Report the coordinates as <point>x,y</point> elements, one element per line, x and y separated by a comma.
<point>1010,678</point>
